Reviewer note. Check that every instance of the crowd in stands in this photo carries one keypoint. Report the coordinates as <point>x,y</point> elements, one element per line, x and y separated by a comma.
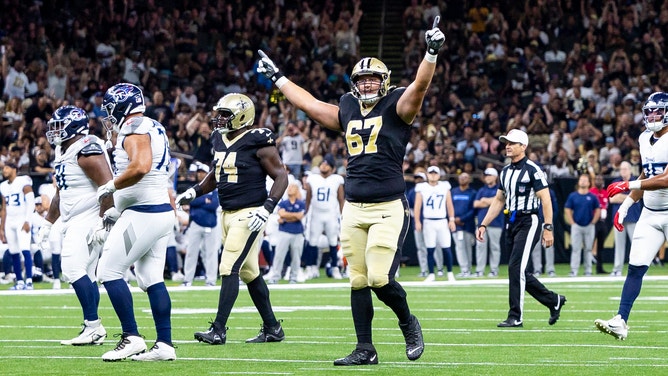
<point>573,74</point>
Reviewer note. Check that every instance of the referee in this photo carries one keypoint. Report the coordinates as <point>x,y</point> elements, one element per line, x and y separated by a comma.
<point>521,185</point>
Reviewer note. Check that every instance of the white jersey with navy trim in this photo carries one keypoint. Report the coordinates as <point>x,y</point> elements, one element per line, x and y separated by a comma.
<point>78,194</point>
<point>654,156</point>
<point>434,199</point>
<point>324,192</point>
<point>152,188</point>
<point>15,200</point>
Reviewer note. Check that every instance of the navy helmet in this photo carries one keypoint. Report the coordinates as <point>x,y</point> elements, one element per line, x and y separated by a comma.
<point>120,101</point>
<point>66,122</point>
<point>656,105</point>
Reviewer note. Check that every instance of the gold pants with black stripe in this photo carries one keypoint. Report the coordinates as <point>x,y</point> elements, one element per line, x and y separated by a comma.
<point>241,246</point>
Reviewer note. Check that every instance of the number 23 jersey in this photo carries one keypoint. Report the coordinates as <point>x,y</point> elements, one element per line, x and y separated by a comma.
<point>240,178</point>
<point>376,143</point>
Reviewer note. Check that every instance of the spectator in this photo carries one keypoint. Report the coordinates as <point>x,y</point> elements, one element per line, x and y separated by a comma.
<point>582,211</point>
<point>462,198</point>
<point>492,237</point>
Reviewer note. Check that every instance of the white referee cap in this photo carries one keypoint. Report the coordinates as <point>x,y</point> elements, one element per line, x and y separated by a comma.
<point>516,135</point>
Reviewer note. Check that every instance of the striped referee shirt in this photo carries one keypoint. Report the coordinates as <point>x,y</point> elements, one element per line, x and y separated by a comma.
<point>519,182</point>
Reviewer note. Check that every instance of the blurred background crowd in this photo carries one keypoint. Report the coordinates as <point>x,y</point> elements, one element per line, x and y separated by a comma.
<point>572,73</point>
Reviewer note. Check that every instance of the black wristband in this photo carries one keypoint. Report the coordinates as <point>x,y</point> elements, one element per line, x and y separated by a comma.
<point>276,76</point>
<point>198,190</point>
<point>482,226</point>
<point>270,204</point>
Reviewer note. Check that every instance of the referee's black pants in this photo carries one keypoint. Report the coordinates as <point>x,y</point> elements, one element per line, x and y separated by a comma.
<point>521,237</point>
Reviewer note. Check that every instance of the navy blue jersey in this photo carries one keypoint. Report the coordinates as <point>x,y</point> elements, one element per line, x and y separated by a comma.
<point>292,207</point>
<point>376,144</point>
<point>484,192</point>
<point>583,207</point>
<point>240,178</point>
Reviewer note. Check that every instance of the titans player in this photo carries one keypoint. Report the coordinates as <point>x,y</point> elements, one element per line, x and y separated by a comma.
<point>19,206</point>
<point>376,120</point>
<point>243,157</point>
<point>81,166</point>
<point>652,187</point>
<point>324,201</point>
<point>144,219</point>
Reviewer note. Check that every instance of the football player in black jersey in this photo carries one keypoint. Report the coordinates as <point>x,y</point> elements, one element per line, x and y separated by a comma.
<point>376,120</point>
<point>243,157</point>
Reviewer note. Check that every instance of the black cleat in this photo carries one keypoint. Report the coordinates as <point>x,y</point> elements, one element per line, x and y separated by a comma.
<point>267,334</point>
<point>212,336</point>
<point>556,310</point>
<point>510,323</point>
<point>413,336</point>
<point>359,357</point>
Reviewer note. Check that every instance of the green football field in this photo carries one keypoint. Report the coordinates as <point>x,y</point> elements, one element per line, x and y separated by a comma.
<point>458,319</point>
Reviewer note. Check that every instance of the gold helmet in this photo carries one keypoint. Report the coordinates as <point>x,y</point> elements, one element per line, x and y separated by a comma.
<point>370,66</point>
<point>233,111</point>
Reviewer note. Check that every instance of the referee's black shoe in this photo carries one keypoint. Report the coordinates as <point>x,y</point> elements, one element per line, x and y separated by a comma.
<point>363,354</point>
<point>556,310</point>
<point>510,323</point>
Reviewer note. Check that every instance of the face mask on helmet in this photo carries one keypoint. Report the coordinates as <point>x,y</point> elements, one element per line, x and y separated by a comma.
<point>654,111</point>
<point>365,67</point>
<point>233,111</point>
<point>120,101</point>
<point>66,122</point>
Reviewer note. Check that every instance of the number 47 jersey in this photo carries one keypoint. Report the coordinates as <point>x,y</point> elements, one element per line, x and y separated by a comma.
<point>434,199</point>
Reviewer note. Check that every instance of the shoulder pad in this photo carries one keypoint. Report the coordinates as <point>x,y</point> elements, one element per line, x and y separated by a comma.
<point>263,136</point>
<point>135,125</point>
<point>92,148</point>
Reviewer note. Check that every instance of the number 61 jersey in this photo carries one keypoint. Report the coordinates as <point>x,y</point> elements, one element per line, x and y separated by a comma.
<point>240,178</point>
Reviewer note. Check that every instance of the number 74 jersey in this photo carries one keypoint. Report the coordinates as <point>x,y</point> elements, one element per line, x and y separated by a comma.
<point>240,178</point>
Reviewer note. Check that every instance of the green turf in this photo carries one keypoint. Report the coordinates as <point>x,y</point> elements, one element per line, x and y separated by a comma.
<point>459,323</point>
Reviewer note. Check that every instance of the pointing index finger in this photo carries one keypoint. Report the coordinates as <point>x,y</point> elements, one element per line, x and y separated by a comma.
<point>436,19</point>
<point>263,55</point>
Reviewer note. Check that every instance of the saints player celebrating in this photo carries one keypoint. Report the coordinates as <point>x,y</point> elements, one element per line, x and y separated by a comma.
<point>243,157</point>
<point>376,120</point>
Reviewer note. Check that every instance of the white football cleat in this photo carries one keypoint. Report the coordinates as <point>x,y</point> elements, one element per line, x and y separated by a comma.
<point>616,327</point>
<point>56,284</point>
<point>127,346</point>
<point>336,273</point>
<point>93,333</point>
<point>162,351</point>
<point>431,277</point>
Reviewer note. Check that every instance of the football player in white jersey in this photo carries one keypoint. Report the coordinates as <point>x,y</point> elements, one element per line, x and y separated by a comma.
<point>650,231</point>
<point>433,201</point>
<point>324,202</point>
<point>19,206</point>
<point>81,166</point>
<point>141,231</point>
